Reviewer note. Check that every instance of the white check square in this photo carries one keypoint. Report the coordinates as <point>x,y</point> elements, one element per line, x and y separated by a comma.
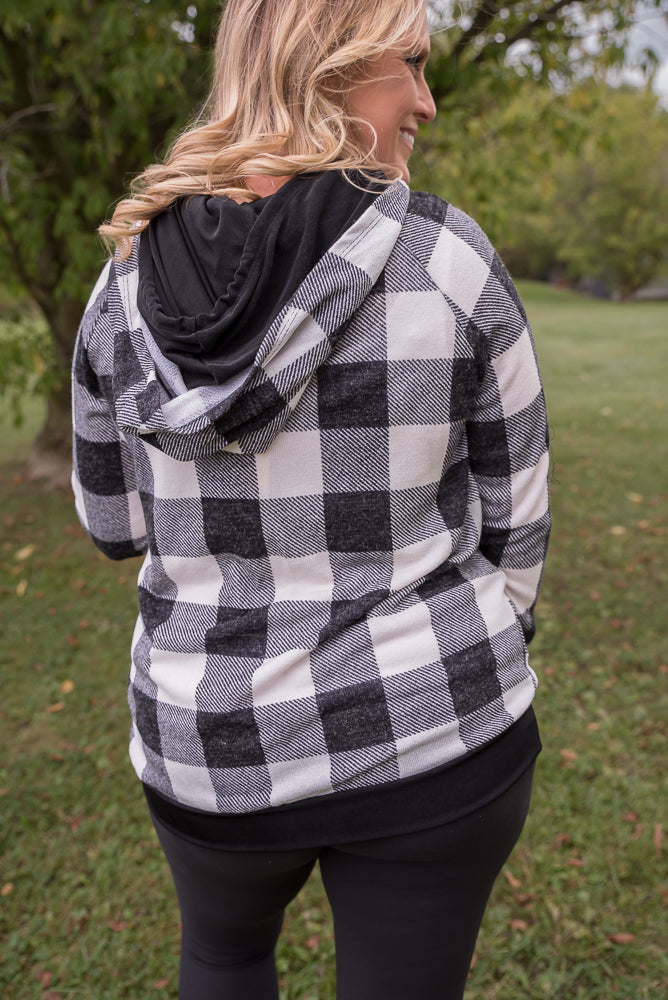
<point>458,271</point>
<point>292,467</point>
<point>417,454</point>
<point>283,678</point>
<point>432,336</point>
<point>403,641</point>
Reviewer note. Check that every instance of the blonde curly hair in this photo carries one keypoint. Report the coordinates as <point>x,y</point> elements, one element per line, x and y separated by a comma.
<point>277,104</point>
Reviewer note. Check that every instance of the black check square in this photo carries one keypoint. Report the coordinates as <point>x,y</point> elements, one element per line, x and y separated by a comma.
<point>494,543</point>
<point>127,369</point>
<point>453,493</point>
<point>84,373</point>
<point>154,610</point>
<point>230,739</point>
<point>146,719</point>
<point>464,388</point>
<point>252,411</point>
<point>238,632</point>
<point>346,613</point>
<point>358,522</point>
<point>488,448</point>
<point>148,401</point>
<point>233,527</point>
<point>353,395</point>
<point>355,716</point>
<point>100,467</point>
<point>443,578</point>
<point>472,678</point>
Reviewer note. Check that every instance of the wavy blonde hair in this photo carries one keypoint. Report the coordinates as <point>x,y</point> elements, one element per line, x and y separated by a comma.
<point>277,104</point>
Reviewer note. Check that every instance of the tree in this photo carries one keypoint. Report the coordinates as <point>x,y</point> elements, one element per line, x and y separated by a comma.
<point>549,40</point>
<point>88,92</point>
<point>90,89</point>
<point>574,185</point>
<point>615,189</point>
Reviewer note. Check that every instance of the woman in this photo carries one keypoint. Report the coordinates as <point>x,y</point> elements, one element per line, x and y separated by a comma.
<point>309,397</point>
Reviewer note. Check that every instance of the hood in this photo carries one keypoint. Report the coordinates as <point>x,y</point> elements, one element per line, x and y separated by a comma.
<point>213,274</point>
<point>240,304</point>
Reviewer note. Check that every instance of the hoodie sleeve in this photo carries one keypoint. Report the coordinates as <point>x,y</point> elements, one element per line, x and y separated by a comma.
<point>508,447</point>
<point>103,475</point>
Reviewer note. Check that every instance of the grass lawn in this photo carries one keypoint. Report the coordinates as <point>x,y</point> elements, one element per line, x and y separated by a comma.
<point>86,905</point>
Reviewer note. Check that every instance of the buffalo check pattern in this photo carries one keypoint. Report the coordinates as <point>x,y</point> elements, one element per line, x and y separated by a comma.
<point>343,546</point>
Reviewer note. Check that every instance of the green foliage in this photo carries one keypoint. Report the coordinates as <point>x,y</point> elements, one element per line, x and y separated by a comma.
<point>86,905</point>
<point>544,40</point>
<point>89,91</point>
<point>571,185</point>
<point>27,363</point>
<point>615,190</point>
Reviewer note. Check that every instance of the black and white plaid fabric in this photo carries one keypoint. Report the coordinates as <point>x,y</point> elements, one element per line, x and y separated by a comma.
<point>343,547</point>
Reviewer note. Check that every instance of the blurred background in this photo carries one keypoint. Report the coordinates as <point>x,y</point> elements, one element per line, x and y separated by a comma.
<point>553,133</point>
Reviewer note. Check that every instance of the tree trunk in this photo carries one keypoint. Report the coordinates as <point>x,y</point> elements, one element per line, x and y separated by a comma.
<point>51,454</point>
<point>50,457</point>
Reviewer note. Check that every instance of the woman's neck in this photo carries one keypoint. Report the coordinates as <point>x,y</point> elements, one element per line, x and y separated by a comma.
<point>266,184</point>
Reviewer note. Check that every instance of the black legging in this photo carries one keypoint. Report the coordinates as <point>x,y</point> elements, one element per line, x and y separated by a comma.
<point>407,909</point>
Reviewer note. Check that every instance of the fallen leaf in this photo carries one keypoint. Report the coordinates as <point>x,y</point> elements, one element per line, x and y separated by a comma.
<point>621,938</point>
<point>630,817</point>
<point>21,588</point>
<point>518,925</point>
<point>45,979</point>
<point>575,862</point>
<point>637,831</point>
<point>67,686</point>
<point>510,878</point>
<point>58,706</point>
<point>593,726</point>
<point>313,942</point>
<point>160,984</point>
<point>117,925</point>
<point>618,529</point>
<point>658,837</point>
<point>634,497</point>
<point>7,888</point>
<point>24,553</point>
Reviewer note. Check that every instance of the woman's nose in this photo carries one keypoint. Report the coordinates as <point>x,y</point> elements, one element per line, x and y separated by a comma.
<point>425,108</point>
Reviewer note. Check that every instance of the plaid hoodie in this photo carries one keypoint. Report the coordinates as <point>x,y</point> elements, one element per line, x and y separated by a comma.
<point>342,545</point>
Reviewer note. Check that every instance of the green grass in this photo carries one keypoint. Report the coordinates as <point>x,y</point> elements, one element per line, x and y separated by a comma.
<point>86,906</point>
